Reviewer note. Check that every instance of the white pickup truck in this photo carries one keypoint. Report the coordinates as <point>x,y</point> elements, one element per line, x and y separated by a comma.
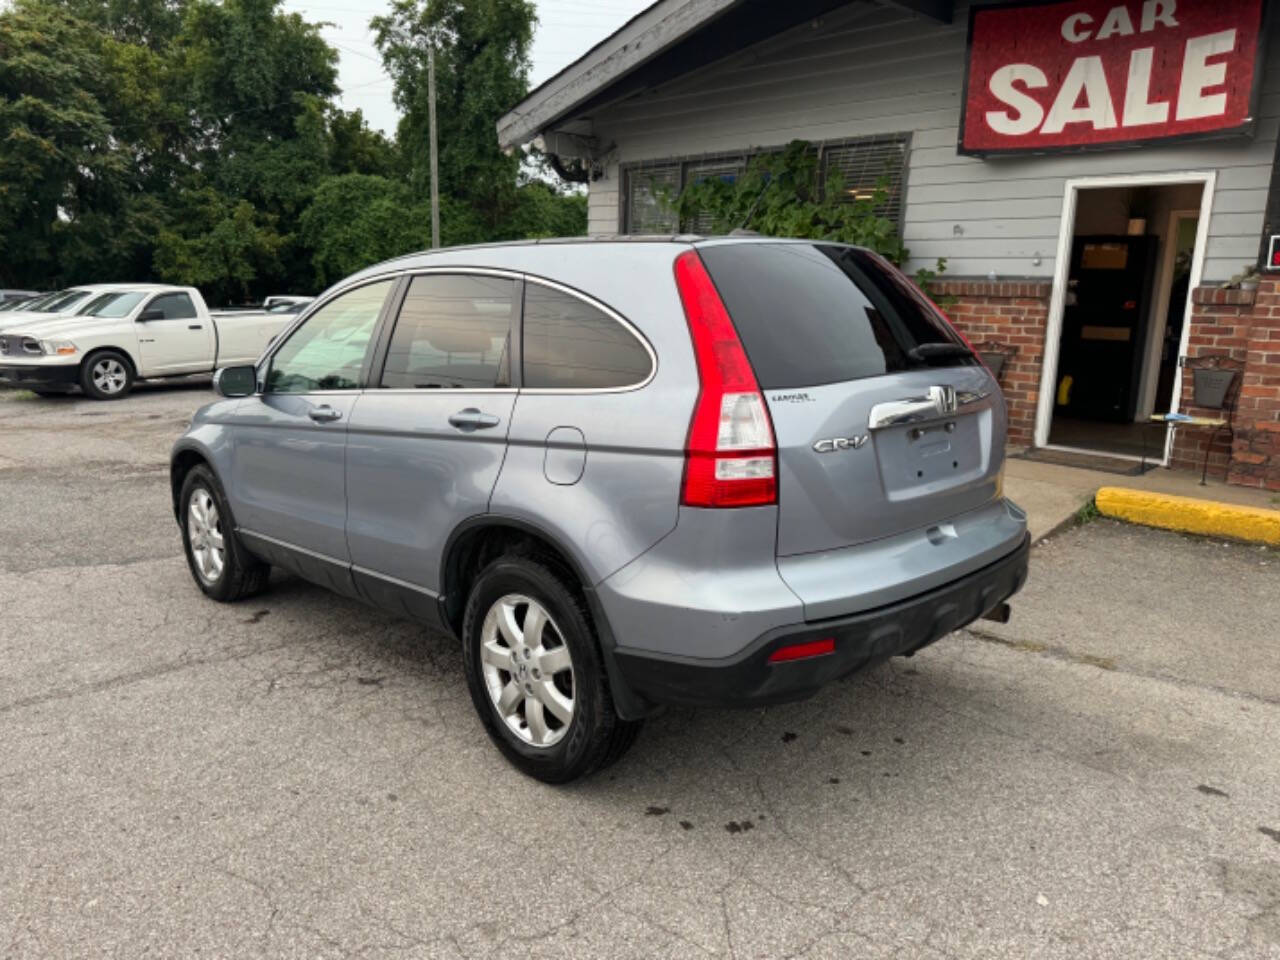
<point>127,332</point>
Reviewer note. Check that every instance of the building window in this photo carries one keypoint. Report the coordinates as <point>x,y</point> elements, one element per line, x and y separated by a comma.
<point>650,188</point>
<point>864,163</point>
<point>868,163</point>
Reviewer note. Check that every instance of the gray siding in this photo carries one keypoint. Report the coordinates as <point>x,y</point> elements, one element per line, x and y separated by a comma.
<point>869,70</point>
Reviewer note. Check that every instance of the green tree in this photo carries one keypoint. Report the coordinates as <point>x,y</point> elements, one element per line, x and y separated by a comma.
<point>58,158</point>
<point>482,69</point>
<point>151,23</point>
<point>225,246</point>
<point>355,148</point>
<point>357,220</point>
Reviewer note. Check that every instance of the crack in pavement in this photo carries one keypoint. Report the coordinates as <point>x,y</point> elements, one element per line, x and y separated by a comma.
<point>139,676</point>
<point>1063,655</point>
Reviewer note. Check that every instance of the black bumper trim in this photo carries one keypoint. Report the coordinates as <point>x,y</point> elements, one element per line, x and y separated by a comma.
<point>899,629</point>
<point>39,375</point>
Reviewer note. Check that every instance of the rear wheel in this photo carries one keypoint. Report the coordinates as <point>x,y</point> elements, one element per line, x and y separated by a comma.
<point>220,564</point>
<point>106,375</point>
<point>535,674</point>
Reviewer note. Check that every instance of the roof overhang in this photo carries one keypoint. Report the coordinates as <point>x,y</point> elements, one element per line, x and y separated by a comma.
<point>665,41</point>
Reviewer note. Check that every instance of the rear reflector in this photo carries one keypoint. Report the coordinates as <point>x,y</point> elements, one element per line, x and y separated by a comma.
<point>803,651</point>
<point>730,455</point>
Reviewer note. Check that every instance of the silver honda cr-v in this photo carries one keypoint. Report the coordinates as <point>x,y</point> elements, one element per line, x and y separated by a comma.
<point>626,473</point>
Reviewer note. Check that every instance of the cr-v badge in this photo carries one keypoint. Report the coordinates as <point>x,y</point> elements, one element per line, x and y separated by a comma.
<point>833,444</point>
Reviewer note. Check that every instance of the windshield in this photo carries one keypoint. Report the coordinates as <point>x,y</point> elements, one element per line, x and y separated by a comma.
<point>36,304</point>
<point>63,302</point>
<point>111,304</point>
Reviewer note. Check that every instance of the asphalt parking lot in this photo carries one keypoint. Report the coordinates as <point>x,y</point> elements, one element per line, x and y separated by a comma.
<point>300,776</point>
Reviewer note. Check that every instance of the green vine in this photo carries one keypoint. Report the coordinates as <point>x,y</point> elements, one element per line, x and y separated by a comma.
<point>783,194</point>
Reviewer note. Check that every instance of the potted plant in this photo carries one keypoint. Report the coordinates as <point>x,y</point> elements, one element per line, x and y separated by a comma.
<point>1246,279</point>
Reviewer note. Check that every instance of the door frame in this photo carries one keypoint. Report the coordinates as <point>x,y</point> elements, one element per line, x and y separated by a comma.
<point>1062,269</point>
<point>1159,321</point>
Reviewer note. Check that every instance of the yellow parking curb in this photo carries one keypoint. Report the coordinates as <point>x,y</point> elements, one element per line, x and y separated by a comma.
<point>1207,517</point>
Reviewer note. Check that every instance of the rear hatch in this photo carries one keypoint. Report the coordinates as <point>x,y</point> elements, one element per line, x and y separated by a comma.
<point>885,422</point>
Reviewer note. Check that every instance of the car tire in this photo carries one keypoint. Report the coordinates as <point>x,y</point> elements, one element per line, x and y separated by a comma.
<point>520,682</point>
<point>106,375</point>
<point>219,562</point>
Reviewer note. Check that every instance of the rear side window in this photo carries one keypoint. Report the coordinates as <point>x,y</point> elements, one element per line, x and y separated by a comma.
<point>571,345</point>
<point>810,314</point>
<point>454,332</point>
<point>174,306</point>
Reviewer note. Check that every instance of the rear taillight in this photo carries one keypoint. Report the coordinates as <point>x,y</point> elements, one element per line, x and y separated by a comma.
<point>730,457</point>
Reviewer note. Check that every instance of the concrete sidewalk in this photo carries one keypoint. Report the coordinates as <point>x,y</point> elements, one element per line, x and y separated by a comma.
<point>1051,494</point>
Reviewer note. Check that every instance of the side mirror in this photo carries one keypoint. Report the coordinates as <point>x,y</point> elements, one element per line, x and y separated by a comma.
<point>146,316</point>
<point>241,381</point>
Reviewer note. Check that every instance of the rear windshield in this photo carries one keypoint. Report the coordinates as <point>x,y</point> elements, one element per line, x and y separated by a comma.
<point>810,314</point>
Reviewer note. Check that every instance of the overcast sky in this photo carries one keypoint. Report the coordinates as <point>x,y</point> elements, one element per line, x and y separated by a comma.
<point>566,29</point>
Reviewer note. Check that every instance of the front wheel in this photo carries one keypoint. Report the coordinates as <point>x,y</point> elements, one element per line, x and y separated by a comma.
<point>221,566</point>
<point>106,375</point>
<point>535,674</point>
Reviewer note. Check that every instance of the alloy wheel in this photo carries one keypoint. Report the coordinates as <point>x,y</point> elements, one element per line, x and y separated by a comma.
<point>204,532</point>
<point>109,375</point>
<point>528,670</point>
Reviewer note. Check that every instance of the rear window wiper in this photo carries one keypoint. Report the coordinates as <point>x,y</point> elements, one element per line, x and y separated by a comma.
<point>931,351</point>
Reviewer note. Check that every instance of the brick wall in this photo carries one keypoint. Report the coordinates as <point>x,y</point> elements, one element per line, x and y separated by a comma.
<point>1245,326</point>
<point>1012,313</point>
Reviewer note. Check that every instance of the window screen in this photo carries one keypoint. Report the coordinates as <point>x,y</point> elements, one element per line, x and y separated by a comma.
<point>454,332</point>
<point>728,171</point>
<point>649,192</point>
<point>569,344</point>
<point>174,306</point>
<point>866,164</point>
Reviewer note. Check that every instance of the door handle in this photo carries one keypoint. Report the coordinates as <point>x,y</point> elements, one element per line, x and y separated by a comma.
<point>194,326</point>
<point>472,419</point>
<point>324,414</point>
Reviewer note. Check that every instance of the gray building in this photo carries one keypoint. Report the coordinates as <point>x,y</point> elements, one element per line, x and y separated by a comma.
<point>1033,172</point>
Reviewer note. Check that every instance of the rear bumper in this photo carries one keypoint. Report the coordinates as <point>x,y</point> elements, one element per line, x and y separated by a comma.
<point>748,679</point>
<point>38,375</point>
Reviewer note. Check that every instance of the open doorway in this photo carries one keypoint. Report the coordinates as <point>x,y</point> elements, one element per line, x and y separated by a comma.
<point>1129,254</point>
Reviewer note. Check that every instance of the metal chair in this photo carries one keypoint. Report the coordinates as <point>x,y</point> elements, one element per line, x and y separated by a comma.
<point>1215,385</point>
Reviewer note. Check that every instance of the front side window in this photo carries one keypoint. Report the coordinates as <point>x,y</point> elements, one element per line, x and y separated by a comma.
<point>327,352</point>
<point>174,306</point>
<point>571,345</point>
<point>454,332</point>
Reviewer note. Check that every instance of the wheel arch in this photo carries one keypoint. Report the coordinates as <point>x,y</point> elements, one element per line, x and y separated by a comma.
<point>480,538</point>
<point>124,352</point>
<point>182,461</point>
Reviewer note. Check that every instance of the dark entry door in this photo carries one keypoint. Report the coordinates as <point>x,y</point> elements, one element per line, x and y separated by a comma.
<point>1104,326</point>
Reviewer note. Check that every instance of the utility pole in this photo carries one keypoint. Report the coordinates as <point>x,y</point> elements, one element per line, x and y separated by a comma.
<point>431,123</point>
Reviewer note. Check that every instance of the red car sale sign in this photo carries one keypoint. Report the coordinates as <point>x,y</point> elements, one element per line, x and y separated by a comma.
<point>1086,74</point>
